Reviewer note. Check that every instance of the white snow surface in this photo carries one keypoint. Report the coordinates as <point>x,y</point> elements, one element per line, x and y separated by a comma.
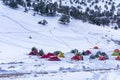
<point>17,26</point>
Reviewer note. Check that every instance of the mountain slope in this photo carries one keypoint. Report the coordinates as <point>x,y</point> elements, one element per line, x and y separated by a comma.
<point>18,26</point>
<point>20,31</point>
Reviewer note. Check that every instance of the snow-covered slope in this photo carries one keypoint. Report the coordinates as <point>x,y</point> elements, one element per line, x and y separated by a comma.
<point>16,28</point>
<point>83,4</point>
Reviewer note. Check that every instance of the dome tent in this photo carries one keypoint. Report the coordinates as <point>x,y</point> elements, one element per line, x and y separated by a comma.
<point>116,52</point>
<point>95,47</point>
<point>61,55</point>
<point>41,52</point>
<point>101,58</point>
<point>77,57</point>
<point>92,56</point>
<point>47,55</point>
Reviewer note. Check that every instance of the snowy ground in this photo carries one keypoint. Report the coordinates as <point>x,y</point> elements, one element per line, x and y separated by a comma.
<point>15,44</point>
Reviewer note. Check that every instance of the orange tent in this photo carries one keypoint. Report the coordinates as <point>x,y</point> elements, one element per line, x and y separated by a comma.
<point>117,50</point>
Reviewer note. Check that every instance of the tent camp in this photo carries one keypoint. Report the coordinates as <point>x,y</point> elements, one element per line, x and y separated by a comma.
<point>117,58</point>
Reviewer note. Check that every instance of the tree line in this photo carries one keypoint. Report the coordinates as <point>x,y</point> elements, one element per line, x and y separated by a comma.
<point>93,16</point>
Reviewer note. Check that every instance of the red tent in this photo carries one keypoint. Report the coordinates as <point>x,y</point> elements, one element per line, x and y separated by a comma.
<point>95,47</point>
<point>44,56</point>
<point>47,55</point>
<point>102,58</point>
<point>34,52</point>
<point>54,58</point>
<point>50,54</point>
<point>77,57</point>
<point>117,58</point>
<point>88,51</point>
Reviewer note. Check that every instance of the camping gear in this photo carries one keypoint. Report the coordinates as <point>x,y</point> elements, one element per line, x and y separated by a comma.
<point>87,52</point>
<point>116,52</point>
<point>98,53</point>
<point>105,55</point>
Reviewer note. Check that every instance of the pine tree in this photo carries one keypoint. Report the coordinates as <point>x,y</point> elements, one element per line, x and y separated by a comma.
<point>65,19</point>
<point>60,3</point>
<point>13,4</point>
<point>29,5</point>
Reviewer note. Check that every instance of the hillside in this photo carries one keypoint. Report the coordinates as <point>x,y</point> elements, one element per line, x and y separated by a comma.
<point>99,12</point>
<point>20,32</point>
<point>90,11</point>
<point>75,35</point>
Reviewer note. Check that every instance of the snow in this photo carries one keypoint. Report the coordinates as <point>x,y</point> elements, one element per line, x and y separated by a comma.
<point>15,44</point>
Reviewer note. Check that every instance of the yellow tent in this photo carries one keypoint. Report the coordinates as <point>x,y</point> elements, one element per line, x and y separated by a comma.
<point>61,55</point>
